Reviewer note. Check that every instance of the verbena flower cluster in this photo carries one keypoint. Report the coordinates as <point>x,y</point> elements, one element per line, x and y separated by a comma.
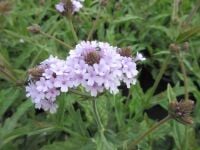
<point>96,66</point>
<point>72,5</point>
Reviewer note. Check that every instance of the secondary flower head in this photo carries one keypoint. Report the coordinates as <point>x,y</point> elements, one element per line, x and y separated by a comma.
<point>47,81</point>
<point>129,70</point>
<point>69,6</point>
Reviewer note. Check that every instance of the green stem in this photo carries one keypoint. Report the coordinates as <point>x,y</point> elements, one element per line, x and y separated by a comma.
<point>57,40</point>
<point>94,26</point>
<point>176,5</point>
<point>183,70</point>
<point>192,13</point>
<point>73,30</point>
<point>7,74</point>
<point>158,78</point>
<point>153,128</point>
<point>96,115</point>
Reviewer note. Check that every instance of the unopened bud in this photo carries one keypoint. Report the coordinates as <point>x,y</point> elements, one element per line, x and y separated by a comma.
<point>104,2</point>
<point>36,72</point>
<point>185,46</point>
<point>174,48</point>
<point>42,2</point>
<point>5,7</point>
<point>125,52</point>
<point>181,111</point>
<point>35,28</point>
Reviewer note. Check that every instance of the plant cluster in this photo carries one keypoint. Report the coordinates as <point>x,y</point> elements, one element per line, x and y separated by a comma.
<point>99,74</point>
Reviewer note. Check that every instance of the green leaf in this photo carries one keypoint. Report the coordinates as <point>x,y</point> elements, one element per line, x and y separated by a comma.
<point>186,35</point>
<point>104,144</point>
<point>71,143</point>
<point>170,94</point>
<point>127,18</point>
<point>11,122</point>
<point>7,99</point>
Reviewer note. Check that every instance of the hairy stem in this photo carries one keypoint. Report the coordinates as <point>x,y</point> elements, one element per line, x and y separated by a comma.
<point>73,30</point>
<point>7,74</point>
<point>192,13</point>
<point>96,115</point>
<point>175,11</point>
<point>183,70</point>
<point>159,76</point>
<point>153,128</point>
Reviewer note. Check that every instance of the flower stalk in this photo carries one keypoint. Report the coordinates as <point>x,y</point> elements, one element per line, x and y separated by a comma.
<point>158,78</point>
<point>73,30</point>
<point>96,115</point>
<point>153,128</point>
<point>183,70</point>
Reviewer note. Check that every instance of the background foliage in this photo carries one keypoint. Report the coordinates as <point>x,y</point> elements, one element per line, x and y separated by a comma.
<point>147,26</point>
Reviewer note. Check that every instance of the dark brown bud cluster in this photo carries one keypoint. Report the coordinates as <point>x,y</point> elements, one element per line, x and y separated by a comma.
<point>125,52</point>
<point>104,2</point>
<point>174,47</point>
<point>42,2</point>
<point>5,7</point>
<point>185,46</point>
<point>36,73</point>
<point>181,111</point>
<point>35,28</point>
<point>177,47</point>
<point>92,58</point>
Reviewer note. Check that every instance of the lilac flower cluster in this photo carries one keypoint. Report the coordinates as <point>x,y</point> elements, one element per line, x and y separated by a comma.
<point>43,91</point>
<point>96,66</point>
<point>76,5</point>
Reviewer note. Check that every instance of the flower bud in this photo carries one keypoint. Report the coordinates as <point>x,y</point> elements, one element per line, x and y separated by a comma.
<point>104,2</point>
<point>174,48</point>
<point>34,28</point>
<point>125,52</point>
<point>5,7</point>
<point>181,111</point>
<point>36,73</point>
<point>185,46</point>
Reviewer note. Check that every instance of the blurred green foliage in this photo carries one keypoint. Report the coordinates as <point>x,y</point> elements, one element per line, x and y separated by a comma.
<point>148,26</point>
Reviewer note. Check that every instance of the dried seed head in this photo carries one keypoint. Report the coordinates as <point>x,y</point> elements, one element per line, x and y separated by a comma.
<point>174,48</point>
<point>34,28</point>
<point>92,58</point>
<point>181,111</point>
<point>125,52</point>
<point>36,73</point>
<point>5,7</point>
